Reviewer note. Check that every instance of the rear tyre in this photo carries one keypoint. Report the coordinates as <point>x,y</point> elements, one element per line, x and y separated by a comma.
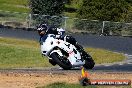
<point>89,62</point>
<point>61,61</point>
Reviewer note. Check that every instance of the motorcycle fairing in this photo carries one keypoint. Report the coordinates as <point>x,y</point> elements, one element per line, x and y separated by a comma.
<point>51,42</point>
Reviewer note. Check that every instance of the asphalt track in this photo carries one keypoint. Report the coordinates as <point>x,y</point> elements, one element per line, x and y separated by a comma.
<point>113,43</point>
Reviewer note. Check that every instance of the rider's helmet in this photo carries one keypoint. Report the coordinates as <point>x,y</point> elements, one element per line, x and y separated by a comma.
<point>42,27</point>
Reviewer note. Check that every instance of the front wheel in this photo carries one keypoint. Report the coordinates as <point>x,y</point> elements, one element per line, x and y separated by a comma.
<point>89,62</point>
<point>61,61</point>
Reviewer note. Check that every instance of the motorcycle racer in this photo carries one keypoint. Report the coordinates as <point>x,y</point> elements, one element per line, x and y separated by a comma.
<point>60,53</point>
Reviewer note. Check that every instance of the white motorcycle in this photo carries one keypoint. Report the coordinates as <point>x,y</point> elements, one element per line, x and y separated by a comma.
<point>64,54</point>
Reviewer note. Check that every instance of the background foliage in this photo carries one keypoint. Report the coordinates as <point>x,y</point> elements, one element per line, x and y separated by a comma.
<point>110,10</point>
<point>47,7</point>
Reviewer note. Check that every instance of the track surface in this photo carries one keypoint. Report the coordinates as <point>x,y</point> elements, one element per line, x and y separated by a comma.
<point>114,43</point>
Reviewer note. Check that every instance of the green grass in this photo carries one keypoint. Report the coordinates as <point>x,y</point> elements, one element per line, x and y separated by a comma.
<point>14,5</point>
<point>13,17</point>
<point>13,8</point>
<point>18,53</point>
<point>104,56</point>
<point>71,15</point>
<point>20,6</point>
<point>65,85</point>
<point>15,2</point>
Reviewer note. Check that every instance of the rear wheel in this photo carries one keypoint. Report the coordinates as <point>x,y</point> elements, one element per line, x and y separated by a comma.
<point>61,61</point>
<point>89,62</point>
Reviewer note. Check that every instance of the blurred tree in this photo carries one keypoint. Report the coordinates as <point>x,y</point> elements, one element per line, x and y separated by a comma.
<point>110,10</point>
<point>47,7</point>
<point>68,1</point>
<point>129,1</point>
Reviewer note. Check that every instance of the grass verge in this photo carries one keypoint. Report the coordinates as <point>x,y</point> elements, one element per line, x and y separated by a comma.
<point>18,53</point>
<point>14,5</point>
<point>104,56</point>
<point>65,85</point>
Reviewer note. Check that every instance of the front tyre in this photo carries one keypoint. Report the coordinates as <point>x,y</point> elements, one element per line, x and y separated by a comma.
<point>89,62</point>
<point>61,61</point>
